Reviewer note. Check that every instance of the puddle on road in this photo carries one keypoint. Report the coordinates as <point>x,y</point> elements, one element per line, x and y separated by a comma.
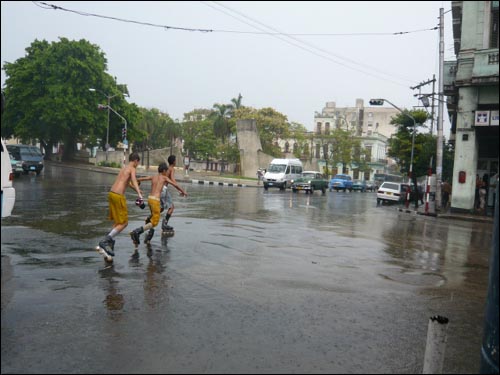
<point>414,277</point>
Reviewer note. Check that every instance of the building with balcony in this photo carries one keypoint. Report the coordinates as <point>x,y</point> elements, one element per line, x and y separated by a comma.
<point>471,84</point>
<point>372,125</point>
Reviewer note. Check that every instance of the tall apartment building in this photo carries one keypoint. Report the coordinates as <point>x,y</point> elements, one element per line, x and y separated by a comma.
<point>471,84</point>
<point>365,121</point>
<point>371,124</point>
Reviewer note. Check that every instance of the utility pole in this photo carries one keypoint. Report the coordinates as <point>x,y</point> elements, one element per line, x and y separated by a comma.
<point>425,97</point>
<point>433,92</point>
<point>439,151</point>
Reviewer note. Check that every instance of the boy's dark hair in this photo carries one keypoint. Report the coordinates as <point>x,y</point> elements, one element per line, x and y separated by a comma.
<point>171,159</point>
<point>162,167</point>
<point>134,156</point>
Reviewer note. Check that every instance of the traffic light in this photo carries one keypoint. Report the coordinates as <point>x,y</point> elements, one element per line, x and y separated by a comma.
<point>124,133</point>
<point>377,102</point>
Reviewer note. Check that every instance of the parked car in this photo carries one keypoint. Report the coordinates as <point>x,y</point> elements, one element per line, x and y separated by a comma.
<point>310,181</point>
<point>16,165</point>
<point>30,158</point>
<point>341,182</point>
<point>371,186</point>
<point>391,192</point>
<point>359,185</point>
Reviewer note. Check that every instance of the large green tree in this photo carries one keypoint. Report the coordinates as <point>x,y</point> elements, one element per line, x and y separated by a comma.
<point>199,138</point>
<point>342,147</point>
<point>400,144</point>
<point>271,125</point>
<point>157,129</point>
<point>425,147</point>
<point>48,97</point>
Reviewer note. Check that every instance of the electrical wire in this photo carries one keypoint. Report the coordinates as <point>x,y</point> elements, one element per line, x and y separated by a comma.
<point>301,43</point>
<point>306,46</point>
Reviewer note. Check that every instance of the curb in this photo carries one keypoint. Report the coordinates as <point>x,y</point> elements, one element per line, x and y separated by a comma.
<point>448,216</point>
<point>202,182</point>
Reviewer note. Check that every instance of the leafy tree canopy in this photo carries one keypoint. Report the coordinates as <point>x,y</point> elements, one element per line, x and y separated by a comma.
<point>271,125</point>
<point>425,146</point>
<point>48,97</point>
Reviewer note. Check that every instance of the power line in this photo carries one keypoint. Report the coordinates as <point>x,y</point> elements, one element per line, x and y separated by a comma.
<point>290,36</point>
<point>277,34</point>
<point>55,7</point>
<point>45,5</point>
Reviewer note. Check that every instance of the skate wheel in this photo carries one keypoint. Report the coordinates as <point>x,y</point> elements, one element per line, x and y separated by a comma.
<point>168,233</point>
<point>107,258</point>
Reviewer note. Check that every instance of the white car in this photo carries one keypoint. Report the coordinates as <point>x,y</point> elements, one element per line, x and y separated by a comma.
<point>391,192</point>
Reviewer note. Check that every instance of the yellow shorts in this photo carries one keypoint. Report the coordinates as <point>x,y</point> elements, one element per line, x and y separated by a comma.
<point>154,207</point>
<point>117,208</point>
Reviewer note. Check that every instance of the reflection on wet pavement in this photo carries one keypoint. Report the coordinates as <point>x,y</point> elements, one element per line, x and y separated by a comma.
<point>253,281</point>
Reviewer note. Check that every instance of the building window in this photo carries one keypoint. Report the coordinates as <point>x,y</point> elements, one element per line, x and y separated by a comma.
<point>325,151</point>
<point>318,147</point>
<point>318,128</point>
<point>368,153</point>
<point>494,25</point>
<point>327,128</point>
<point>287,147</point>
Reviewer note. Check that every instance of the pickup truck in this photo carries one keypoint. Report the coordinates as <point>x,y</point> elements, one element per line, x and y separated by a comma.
<point>310,181</point>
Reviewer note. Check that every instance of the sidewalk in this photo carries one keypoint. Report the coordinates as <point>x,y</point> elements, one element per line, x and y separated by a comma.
<point>446,214</point>
<point>195,177</point>
<point>215,178</point>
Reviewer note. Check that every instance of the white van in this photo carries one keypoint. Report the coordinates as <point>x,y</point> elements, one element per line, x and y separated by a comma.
<point>8,191</point>
<point>281,172</point>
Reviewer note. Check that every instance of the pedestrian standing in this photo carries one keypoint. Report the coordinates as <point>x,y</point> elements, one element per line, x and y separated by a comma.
<point>259,176</point>
<point>118,205</point>
<point>482,196</point>
<point>446,188</point>
<point>476,195</point>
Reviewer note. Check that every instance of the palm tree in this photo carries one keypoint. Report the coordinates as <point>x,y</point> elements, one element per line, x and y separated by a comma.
<point>221,125</point>
<point>173,130</point>
<point>236,102</point>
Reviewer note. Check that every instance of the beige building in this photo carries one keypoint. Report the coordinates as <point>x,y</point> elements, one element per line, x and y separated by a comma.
<point>371,124</point>
<point>366,121</point>
<point>471,84</point>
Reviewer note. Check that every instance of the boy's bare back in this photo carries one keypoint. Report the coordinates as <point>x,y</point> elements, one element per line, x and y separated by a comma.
<point>126,175</point>
<point>157,183</point>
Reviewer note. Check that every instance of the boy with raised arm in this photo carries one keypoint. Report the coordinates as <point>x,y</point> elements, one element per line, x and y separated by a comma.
<point>157,184</point>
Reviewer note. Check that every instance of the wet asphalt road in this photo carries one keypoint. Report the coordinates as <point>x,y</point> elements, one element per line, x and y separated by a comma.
<point>252,282</point>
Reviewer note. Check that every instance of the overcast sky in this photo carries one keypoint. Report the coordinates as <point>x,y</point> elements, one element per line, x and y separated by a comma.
<point>354,53</point>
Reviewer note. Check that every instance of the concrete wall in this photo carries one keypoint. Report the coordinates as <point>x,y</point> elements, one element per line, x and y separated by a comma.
<point>155,157</point>
<point>251,155</point>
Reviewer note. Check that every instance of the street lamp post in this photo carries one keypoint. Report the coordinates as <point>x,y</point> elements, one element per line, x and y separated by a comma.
<point>109,97</point>
<point>410,174</point>
<point>125,142</point>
